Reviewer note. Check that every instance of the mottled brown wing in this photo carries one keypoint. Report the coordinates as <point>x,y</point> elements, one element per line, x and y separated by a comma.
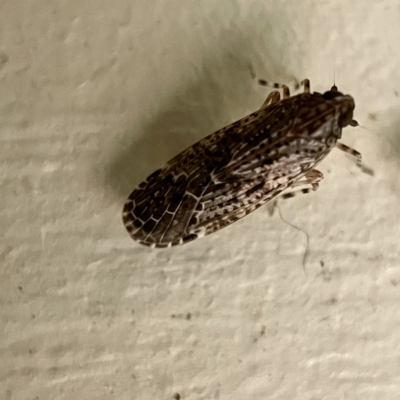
<point>288,133</point>
<point>235,170</point>
<point>213,183</point>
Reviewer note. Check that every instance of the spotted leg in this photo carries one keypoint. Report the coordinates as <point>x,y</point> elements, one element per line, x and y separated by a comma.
<point>263,82</point>
<point>349,150</point>
<point>311,178</point>
<point>273,97</point>
<point>355,154</point>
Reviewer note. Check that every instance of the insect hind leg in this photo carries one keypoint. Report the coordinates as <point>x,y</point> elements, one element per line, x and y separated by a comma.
<point>310,183</point>
<point>287,195</point>
<point>312,178</point>
<point>294,193</point>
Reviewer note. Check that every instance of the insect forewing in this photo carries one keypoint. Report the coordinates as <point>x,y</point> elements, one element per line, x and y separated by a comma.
<point>235,170</point>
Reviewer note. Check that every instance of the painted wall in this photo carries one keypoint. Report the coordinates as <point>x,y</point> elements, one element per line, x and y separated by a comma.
<point>96,95</point>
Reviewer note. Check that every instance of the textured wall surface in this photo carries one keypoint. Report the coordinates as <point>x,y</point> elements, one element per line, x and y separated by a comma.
<point>94,96</point>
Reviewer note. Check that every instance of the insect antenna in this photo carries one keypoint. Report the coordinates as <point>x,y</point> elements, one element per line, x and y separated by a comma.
<point>334,87</point>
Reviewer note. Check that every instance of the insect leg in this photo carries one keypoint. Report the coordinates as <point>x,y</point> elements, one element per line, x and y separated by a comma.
<point>284,196</point>
<point>273,97</point>
<point>263,82</point>
<point>285,91</point>
<point>306,84</point>
<point>349,150</point>
<point>357,156</point>
<point>294,193</point>
<point>312,178</point>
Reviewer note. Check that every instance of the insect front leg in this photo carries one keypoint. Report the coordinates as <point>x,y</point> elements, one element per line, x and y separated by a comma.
<point>355,154</point>
<point>349,150</point>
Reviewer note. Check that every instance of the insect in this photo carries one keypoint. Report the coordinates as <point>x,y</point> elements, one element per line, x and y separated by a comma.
<point>237,169</point>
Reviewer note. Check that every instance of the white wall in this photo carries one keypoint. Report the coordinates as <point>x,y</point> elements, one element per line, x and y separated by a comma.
<point>95,95</point>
